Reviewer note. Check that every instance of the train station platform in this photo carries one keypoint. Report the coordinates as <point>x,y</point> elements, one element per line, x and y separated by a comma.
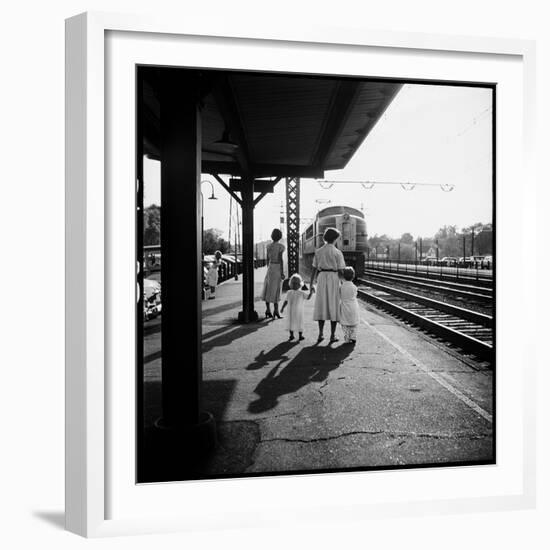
<point>395,398</point>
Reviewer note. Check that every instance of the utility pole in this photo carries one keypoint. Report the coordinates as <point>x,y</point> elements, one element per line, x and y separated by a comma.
<point>235,247</point>
<point>238,237</point>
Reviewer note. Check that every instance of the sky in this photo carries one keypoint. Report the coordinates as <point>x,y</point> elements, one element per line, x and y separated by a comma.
<point>439,135</point>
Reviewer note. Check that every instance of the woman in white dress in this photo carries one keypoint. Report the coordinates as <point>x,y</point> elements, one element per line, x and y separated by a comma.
<point>329,264</point>
<point>271,292</point>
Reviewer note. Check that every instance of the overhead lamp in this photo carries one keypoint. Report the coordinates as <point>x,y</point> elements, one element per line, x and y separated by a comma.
<point>225,144</point>
<point>212,197</point>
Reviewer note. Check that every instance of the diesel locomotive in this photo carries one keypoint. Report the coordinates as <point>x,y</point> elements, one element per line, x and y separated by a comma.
<point>352,241</point>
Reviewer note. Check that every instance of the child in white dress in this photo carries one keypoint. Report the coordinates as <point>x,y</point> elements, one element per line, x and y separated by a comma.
<point>349,307</point>
<point>212,279</point>
<point>295,299</point>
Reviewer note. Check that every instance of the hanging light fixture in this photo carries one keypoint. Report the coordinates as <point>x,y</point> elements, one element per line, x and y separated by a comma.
<point>224,144</point>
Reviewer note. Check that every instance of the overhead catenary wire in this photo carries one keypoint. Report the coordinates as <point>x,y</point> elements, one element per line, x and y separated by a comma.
<point>369,184</point>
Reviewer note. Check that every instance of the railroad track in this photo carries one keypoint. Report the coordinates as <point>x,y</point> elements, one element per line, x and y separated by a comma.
<point>468,292</point>
<point>471,331</point>
<point>434,274</point>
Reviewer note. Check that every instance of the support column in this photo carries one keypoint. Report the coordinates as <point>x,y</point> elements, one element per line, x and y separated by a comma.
<point>293,224</point>
<point>248,314</point>
<point>181,268</point>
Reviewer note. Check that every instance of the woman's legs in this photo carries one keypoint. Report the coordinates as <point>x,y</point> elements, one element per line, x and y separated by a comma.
<point>333,331</point>
<point>267,310</point>
<point>321,328</point>
<point>276,310</point>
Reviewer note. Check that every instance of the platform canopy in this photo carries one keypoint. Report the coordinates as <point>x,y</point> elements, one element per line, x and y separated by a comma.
<point>281,125</point>
<point>258,128</point>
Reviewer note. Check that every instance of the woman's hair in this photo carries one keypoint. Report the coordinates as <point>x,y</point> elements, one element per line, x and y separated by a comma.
<point>349,273</point>
<point>295,278</point>
<point>276,235</point>
<point>331,234</point>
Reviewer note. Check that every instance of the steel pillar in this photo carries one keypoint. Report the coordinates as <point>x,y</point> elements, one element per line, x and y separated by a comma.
<point>293,224</point>
<point>183,422</point>
<point>248,314</point>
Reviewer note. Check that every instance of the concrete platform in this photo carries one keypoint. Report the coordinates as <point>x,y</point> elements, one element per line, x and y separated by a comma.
<point>396,398</point>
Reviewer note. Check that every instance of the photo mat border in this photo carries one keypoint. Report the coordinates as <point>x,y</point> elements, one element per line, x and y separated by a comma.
<point>140,353</point>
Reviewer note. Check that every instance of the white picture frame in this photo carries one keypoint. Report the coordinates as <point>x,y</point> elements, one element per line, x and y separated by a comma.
<point>95,454</point>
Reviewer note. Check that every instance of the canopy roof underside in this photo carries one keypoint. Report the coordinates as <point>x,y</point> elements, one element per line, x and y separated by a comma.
<point>284,125</point>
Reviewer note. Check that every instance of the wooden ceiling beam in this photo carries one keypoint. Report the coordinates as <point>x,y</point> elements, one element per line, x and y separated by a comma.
<point>342,105</point>
<point>227,105</point>
<point>262,170</point>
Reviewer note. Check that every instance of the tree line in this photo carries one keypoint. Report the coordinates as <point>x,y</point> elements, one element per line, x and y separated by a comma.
<point>211,238</point>
<point>474,240</point>
<point>449,240</point>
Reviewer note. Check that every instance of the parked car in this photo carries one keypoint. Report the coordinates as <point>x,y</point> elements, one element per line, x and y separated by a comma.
<point>487,262</point>
<point>152,305</point>
<point>470,261</point>
<point>449,261</point>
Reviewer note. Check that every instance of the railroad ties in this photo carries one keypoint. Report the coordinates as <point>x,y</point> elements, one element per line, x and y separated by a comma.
<point>471,330</point>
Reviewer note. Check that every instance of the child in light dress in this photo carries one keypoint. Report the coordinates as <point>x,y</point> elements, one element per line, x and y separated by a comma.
<point>349,307</point>
<point>295,299</point>
<point>212,279</point>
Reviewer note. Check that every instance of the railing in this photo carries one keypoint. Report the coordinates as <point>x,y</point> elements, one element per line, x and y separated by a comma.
<point>230,270</point>
<point>470,270</point>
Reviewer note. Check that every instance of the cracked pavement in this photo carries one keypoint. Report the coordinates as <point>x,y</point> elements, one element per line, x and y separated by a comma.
<point>301,406</point>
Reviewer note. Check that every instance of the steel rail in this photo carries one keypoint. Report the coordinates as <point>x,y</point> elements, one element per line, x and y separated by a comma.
<point>467,314</point>
<point>423,278</point>
<point>443,288</point>
<point>433,272</point>
<point>481,349</point>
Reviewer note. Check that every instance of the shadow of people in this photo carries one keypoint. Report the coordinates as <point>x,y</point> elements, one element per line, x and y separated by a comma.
<point>237,331</point>
<point>311,364</point>
<point>278,353</point>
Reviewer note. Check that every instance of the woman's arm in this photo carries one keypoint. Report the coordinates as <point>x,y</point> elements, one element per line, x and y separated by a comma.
<point>281,262</point>
<point>341,264</point>
<point>312,280</point>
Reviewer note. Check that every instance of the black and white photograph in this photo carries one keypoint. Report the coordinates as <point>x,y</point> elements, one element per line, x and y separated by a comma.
<point>316,273</point>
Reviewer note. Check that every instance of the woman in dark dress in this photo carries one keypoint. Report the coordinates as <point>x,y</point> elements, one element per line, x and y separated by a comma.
<point>271,292</point>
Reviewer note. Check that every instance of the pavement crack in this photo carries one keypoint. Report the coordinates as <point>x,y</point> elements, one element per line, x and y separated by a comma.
<point>270,417</point>
<point>394,435</point>
<point>317,439</point>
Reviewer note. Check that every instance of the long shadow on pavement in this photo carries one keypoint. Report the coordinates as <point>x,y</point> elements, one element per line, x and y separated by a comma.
<point>225,339</point>
<point>234,304</point>
<point>311,364</point>
<point>278,353</point>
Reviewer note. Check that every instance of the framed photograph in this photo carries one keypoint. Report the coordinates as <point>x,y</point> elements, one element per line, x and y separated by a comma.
<point>292,269</point>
